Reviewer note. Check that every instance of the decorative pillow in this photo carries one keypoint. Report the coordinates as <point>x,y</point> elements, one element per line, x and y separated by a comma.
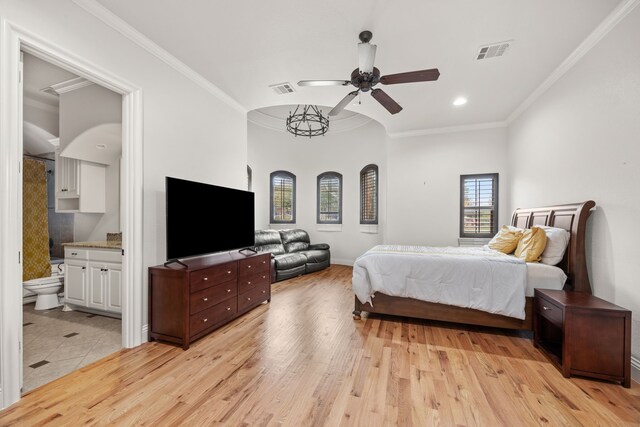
<point>506,240</point>
<point>531,245</point>
<point>557,242</point>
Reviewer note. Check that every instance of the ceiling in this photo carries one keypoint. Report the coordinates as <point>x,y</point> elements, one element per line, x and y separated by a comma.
<point>243,46</point>
<point>38,75</point>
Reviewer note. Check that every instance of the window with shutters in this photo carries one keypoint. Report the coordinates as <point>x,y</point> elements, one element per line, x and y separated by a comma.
<point>283,198</point>
<point>369,195</point>
<point>330,198</point>
<point>478,205</point>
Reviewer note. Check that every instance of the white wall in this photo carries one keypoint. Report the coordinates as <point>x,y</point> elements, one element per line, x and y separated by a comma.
<point>188,132</point>
<point>89,227</point>
<point>345,152</point>
<point>580,141</point>
<point>423,203</point>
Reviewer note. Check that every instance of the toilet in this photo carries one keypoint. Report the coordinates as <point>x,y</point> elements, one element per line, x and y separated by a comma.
<point>46,290</point>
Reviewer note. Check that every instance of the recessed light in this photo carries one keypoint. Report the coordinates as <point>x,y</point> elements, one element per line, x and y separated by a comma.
<point>101,146</point>
<point>461,100</point>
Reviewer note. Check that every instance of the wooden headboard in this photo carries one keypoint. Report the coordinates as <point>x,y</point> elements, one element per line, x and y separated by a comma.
<point>573,218</point>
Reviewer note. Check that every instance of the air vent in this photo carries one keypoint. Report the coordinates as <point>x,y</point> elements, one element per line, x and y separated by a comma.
<point>493,50</point>
<point>282,88</point>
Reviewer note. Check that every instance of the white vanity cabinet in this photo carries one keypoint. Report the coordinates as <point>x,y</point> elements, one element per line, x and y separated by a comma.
<point>93,279</point>
<point>80,185</point>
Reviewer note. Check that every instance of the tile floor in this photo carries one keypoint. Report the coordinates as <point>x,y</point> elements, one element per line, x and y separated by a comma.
<point>57,342</point>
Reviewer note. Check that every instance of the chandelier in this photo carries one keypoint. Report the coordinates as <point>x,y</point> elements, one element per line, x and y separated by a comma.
<point>307,120</point>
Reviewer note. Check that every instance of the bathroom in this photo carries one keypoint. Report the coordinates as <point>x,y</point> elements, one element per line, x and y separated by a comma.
<point>71,236</point>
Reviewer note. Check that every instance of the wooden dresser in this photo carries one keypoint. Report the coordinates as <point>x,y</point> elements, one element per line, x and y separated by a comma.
<point>584,335</point>
<point>187,303</point>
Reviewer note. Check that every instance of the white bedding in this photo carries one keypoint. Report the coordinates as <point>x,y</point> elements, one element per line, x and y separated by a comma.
<point>544,276</point>
<point>472,277</point>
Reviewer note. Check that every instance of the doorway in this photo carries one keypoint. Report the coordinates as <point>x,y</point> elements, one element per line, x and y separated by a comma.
<point>14,41</point>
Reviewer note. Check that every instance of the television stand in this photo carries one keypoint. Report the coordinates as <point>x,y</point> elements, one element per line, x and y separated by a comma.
<point>175,261</point>
<point>188,303</point>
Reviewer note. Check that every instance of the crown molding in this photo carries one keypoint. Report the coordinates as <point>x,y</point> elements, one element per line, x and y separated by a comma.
<point>115,22</point>
<point>592,39</point>
<point>67,86</point>
<point>279,124</point>
<point>450,129</point>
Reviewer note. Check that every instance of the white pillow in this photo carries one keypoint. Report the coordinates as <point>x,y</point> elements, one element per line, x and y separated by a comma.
<point>557,242</point>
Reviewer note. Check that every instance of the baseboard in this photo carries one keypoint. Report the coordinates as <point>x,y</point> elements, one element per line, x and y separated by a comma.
<point>145,333</point>
<point>635,369</point>
<point>342,261</point>
<point>28,300</point>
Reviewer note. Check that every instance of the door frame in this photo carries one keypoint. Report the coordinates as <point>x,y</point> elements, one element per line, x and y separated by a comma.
<point>13,40</point>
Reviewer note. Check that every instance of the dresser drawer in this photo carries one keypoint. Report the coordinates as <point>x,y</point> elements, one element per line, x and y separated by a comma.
<point>550,311</point>
<point>211,316</point>
<point>257,264</point>
<point>254,297</point>
<point>202,279</point>
<point>247,283</point>
<point>211,296</point>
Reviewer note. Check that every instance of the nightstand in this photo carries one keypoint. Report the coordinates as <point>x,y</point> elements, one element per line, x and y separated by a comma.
<point>583,335</point>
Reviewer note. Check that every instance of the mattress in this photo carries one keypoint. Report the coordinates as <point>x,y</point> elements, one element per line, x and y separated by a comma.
<point>544,276</point>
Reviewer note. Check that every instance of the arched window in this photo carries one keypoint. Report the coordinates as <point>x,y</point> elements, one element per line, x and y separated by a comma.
<point>283,197</point>
<point>330,198</point>
<point>369,195</point>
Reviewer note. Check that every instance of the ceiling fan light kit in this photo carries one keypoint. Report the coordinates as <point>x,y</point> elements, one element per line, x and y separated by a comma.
<point>307,120</point>
<point>366,76</point>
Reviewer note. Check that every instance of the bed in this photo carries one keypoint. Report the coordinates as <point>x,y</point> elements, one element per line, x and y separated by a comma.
<point>571,217</point>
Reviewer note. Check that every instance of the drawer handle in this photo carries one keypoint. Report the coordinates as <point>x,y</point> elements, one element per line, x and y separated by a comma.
<point>546,308</point>
<point>205,299</point>
<point>228,271</point>
<point>205,279</point>
<point>74,253</point>
<point>264,292</point>
<point>205,320</point>
<point>84,268</point>
<point>264,277</point>
<point>228,290</point>
<point>264,262</point>
<point>228,308</point>
<point>248,299</point>
<point>248,283</point>
<point>248,266</point>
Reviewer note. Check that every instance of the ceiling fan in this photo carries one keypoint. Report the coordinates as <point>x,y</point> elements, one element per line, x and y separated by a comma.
<point>366,76</point>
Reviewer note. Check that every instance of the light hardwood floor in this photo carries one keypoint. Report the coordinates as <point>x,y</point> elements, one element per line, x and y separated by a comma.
<point>303,360</point>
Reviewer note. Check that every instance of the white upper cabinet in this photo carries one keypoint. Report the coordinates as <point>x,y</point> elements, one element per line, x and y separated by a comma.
<point>80,186</point>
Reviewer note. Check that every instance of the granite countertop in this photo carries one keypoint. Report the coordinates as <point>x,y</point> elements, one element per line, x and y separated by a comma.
<point>97,245</point>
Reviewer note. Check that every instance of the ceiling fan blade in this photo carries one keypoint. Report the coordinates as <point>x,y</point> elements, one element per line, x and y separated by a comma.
<point>323,82</point>
<point>411,77</point>
<point>366,57</point>
<point>345,101</point>
<point>387,102</point>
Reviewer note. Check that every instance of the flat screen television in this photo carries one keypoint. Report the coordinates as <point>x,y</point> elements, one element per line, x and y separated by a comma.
<point>204,218</point>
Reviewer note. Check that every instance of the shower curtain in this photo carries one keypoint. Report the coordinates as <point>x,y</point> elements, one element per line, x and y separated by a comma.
<point>35,223</point>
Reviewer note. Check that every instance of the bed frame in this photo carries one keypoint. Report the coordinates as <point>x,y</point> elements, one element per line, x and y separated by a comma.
<point>571,217</point>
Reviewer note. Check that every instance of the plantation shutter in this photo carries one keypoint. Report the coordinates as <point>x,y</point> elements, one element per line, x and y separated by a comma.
<point>479,205</point>
<point>330,198</point>
<point>369,195</point>
<point>282,197</point>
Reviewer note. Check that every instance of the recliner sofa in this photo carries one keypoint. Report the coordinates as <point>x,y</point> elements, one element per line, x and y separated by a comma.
<point>292,253</point>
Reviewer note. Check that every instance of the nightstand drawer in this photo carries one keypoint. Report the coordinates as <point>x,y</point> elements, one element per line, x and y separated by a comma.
<point>550,311</point>
<point>245,284</point>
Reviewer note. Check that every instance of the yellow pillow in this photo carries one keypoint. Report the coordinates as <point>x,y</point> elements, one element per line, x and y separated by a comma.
<point>532,244</point>
<point>506,240</point>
